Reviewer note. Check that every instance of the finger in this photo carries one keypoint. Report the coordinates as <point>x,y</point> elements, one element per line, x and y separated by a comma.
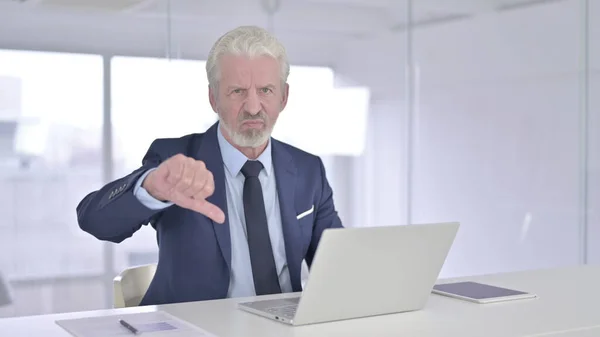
<point>201,177</point>
<point>176,166</point>
<point>195,187</point>
<point>185,180</point>
<point>201,206</point>
<point>188,184</point>
<point>208,187</point>
<point>210,210</point>
<point>182,200</point>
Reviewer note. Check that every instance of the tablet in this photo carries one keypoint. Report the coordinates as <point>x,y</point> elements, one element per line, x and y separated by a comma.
<point>479,292</point>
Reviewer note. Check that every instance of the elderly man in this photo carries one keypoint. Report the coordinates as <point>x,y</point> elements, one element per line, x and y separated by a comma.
<point>235,211</point>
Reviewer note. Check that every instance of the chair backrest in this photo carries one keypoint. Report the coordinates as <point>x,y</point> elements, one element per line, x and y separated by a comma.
<point>130,285</point>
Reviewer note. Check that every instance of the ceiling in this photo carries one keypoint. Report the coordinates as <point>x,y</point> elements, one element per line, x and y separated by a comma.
<point>345,17</point>
<point>337,33</point>
<point>314,31</point>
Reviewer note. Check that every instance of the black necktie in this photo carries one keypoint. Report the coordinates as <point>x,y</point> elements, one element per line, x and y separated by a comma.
<point>266,280</point>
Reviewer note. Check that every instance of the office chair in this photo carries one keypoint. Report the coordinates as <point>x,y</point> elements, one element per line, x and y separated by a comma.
<point>130,286</point>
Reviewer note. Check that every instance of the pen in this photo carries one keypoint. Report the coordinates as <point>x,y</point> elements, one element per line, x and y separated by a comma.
<point>128,326</point>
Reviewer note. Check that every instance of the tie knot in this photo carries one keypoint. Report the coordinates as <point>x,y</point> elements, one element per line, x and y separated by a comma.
<point>252,168</point>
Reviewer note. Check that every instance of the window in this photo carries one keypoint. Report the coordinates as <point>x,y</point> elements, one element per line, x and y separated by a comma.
<point>321,118</point>
<point>50,155</point>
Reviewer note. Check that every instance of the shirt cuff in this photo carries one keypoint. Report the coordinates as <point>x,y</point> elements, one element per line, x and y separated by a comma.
<point>145,198</point>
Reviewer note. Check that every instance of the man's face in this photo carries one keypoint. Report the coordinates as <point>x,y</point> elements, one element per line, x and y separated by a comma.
<point>249,98</point>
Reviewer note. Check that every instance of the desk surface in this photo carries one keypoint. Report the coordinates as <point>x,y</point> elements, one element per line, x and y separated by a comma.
<point>567,306</point>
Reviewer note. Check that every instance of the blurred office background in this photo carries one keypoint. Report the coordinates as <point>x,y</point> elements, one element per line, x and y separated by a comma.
<point>485,112</point>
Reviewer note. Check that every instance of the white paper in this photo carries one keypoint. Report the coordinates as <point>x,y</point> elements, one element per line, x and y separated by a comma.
<point>151,324</point>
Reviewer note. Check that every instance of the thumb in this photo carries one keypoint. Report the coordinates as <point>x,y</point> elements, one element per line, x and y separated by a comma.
<point>201,206</point>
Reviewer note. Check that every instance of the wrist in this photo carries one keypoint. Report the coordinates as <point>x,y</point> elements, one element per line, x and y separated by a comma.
<point>146,182</point>
<point>149,186</point>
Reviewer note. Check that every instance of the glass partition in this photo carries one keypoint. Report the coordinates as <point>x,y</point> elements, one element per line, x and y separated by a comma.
<point>592,85</point>
<point>498,135</point>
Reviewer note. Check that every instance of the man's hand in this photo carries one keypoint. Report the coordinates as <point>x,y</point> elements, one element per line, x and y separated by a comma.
<point>185,182</point>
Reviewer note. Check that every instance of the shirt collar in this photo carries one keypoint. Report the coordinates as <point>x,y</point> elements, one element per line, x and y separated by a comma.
<point>234,160</point>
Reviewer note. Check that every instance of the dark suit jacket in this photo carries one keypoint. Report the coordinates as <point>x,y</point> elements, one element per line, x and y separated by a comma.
<point>194,252</point>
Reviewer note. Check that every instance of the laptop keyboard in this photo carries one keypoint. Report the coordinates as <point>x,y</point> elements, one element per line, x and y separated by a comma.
<point>287,311</point>
<point>279,307</point>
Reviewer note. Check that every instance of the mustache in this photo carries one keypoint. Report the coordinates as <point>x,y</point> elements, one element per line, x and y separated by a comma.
<point>246,116</point>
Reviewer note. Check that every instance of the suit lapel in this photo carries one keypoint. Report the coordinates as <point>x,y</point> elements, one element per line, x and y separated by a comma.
<point>286,175</point>
<point>210,153</point>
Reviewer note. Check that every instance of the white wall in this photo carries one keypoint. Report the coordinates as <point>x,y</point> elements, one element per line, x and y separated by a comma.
<point>497,135</point>
<point>193,30</point>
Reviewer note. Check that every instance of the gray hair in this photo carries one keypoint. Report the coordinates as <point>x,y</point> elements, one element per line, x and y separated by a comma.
<point>251,41</point>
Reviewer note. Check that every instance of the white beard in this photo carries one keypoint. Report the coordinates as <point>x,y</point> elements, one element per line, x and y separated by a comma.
<point>251,138</point>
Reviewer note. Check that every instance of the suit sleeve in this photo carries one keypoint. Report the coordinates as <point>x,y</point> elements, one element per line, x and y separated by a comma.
<point>326,215</point>
<point>114,213</point>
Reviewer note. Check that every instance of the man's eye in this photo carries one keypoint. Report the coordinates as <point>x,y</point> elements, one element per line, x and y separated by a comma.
<point>266,90</point>
<point>237,91</point>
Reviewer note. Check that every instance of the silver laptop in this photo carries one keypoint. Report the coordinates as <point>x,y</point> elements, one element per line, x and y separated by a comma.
<point>361,272</point>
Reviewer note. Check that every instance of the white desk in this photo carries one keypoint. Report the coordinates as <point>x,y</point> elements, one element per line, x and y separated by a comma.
<point>568,305</point>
